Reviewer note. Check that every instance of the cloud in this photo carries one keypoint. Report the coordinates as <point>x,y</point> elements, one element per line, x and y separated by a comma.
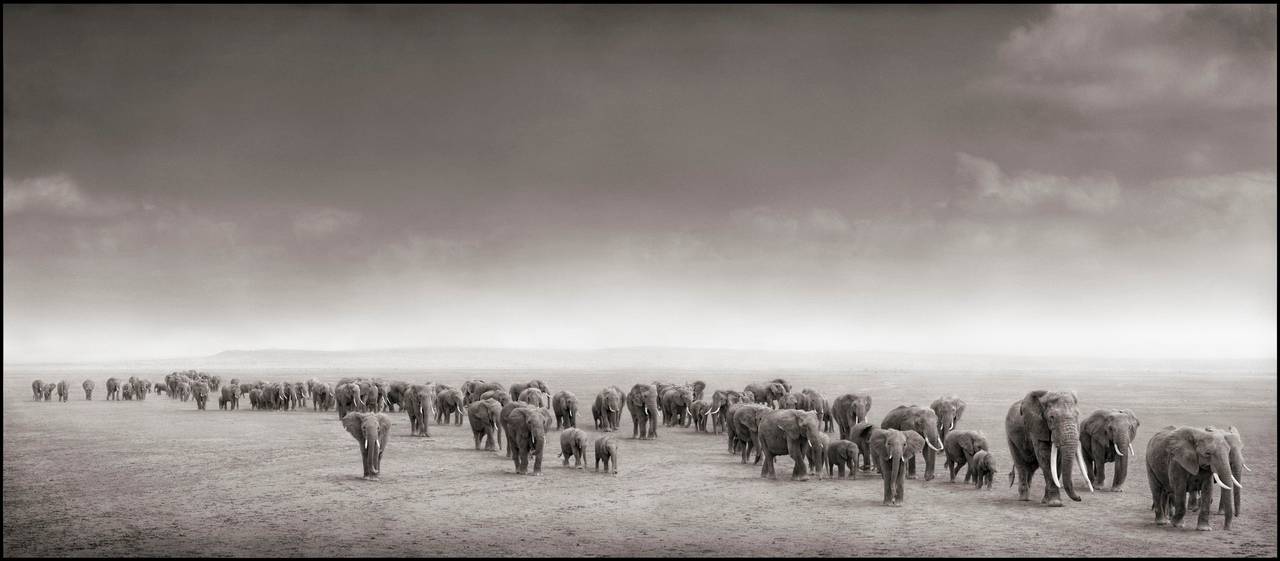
<point>323,222</point>
<point>1115,58</point>
<point>983,187</point>
<point>53,194</point>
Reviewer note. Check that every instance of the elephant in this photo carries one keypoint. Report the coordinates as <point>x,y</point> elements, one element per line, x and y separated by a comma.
<point>371,431</point>
<point>642,402</point>
<point>528,428</point>
<point>88,386</point>
<point>300,395</point>
<point>126,391</point>
<point>698,387</point>
<point>699,411</point>
<point>606,449</point>
<point>200,391</point>
<point>62,390</point>
<point>948,409</point>
<point>395,396</point>
<point>502,421</point>
<point>791,401</point>
<point>743,426</point>
<point>720,402</point>
<point>786,386</point>
<point>787,431</point>
<point>419,399</point>
<point>1043,432</point>
<point>536,397</point>
<point>449,403</point>
<point>499,395</point>
<point>1229,504</point>
<point>1180,457</point>
<point>983,469</point>
<point>230,397</point>
<point>469,395</point>
<point>923,421</point>
<point>46,391</point>
<point>675,405</point>
<point>768,393</point>
<point>347,397</point>
<point>184,391</point>
<point>960,447</point>
<point>483,416</point>
<point>1107,436</point>
<point>818,450</point>
<point>573,444</point>
<point>814,401</point>
<point>565,406</point>
<point>518,388</point>
<point>842,454</point>
<point>37,389</point>
<point>255,399</point>
<point>848,410</point>
<point>322,396</point>
<point>607,409</point>
<point>113,389</point>
<point>891,448</point>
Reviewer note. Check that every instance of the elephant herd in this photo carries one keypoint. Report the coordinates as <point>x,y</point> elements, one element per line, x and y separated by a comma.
<point>768,419</point>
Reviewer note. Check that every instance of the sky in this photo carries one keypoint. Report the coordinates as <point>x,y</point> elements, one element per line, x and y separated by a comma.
<point>1095,181</point>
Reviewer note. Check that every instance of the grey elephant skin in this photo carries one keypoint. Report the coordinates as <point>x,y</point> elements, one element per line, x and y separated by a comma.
<point>371,431</point>
<point>607,409</point>
<point>1180,459</point>
<point>960,447</point>
<point>1229,505</point>
<point>891,448</point>
<point>528,429</point>
<point>483,416</point>
<point>925,422</point>
<point>565,406</point>
<point>419,401</point>
<point>1043,431</point>
<point>791,432</point>
<point>746,426</point>
<point>606,449</point>
<point>88,386</point>
<point>848,410</point>
<point>948,409</point>
<point>573,444</point>
<point>1106,436</point>
<point>642,403</point>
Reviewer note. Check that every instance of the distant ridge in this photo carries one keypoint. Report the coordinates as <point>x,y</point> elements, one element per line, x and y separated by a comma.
<point>666,358</point>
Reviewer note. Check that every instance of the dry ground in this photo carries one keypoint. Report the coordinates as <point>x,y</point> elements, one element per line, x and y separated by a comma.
<point>157,477</point>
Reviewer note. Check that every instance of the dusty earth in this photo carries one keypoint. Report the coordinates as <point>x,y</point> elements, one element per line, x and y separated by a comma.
<point>158,477</point>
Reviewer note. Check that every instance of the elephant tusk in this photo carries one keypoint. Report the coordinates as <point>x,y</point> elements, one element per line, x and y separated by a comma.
<point>1217,481</point>
<point>936,448</point>
<point>1113,445</point>
<point>1236,482</point>
<point>1080,466</point>
<point>1053,464</point>
<point>1246,467</point>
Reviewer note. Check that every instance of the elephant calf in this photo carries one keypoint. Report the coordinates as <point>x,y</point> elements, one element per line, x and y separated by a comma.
<point>607,451</point>
<point>483,416</point>
<point>842,454</point>
<point>573,444</point>
<point>960,447</point>
<point>983,469</point>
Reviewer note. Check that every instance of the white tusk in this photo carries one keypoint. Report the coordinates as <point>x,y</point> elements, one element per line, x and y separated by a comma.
<point>1080,466</point>
<point>1053,464</point>
<point>936,448</point>
<point>1246,467</point>
<point>1236,482</point>
<point>1130,447</point>
<point>1113,445</point>
<point>1217,481</point>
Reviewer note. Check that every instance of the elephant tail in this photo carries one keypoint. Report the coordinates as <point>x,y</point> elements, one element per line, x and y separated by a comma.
<point>1012,471</point>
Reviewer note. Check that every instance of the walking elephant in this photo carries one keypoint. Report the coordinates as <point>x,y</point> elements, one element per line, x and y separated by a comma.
<point>450,404</point>
<point>960,447</point>
<point>113,389</point>
<point>230,399</point>
<point>1043,432</point>
<point>848,410</point>
<point>418,400</point>
<point>769,393</point>
<point>924,422</point>
<point>744,428</point>
<point>842,454</point>
<point>371,431</point>
<point>528,427</point>
<point>1107,436</point>
<point>1180,458</point>
<point>573,444</point>
<point>1229,504</point>
<point>698,387</point>
<point>37,389</point>
<point>675,406</point>
<point>88,386</point>
<point>983,469</point>
<point>200,391</point>
<point>518,388</point>
<point>720,402</point>
<point>483,416</point>
<point>698,412</point>
<point>536,397</point>
<point>891,448</point>
<point>642,402</point>
<point>787,431</point>
<point>63,391</point>
<point>395,396</point>
<point>565,407</point>
<point>322,397</point>
<point>606,448</point>
<point>347,398</point>
<point>948,409</point>
<point>607,409</point>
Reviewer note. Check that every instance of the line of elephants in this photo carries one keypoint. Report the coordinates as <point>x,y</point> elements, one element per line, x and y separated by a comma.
<point>1043,430</point>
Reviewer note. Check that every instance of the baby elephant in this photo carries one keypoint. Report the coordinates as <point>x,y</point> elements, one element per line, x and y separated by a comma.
<point>607,450</point>
<point>842,454</point>
<point>982,468</point>
<point>573,444</point>
<point>960,447</point>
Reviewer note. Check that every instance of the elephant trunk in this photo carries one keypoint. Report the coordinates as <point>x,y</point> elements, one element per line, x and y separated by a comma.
<point>371,451</point>
<point>1067,441</point>
<point>894,472</point>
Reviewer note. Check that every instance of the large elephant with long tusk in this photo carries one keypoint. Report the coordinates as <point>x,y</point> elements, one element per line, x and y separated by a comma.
<point>1182,459</point>
<point>1106,436</point>
<point>890,447</point>
<point>949,409</point>
<point>1229,505</point>
<point>607,409</point>
<point>371,431</point>
<point>925,422</point>
<point>792,432</point>
<point>720,402</point>
<point>1044,432</point>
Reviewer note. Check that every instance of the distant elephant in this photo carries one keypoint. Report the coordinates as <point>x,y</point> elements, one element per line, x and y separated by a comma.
<point>536,397</point>
<point>891,447</point>
<point>814,401</point>
<point>573,444</point>
<point>791,401</point>
<point>498,395</point>
<point>347,398</point>
<point>720,402</point>
<point>113,389</point>
<point>371,431</point>
<point>519,388</point>
<point>787,431</point>
<point>675,405</point>
<point>88,386</point>
<point>450,404</point>
<point>768,393</point>
<point>200,391</point>
<point>1043,432</point>
<point>255,399</point>
<point>419,400</point>
<point>642,402</point>
<point>322,397</point>
<point>607,409</point>
<point>842,454</point>
<point>1107,436</point>
<point>961,446</point>
<point>62,390</point>
<point>948,409</point>
<point>786,386</point>
<point>483,416</point>
<point>606,449</point>
<point>982,468</point>
<point>744,427</point>
<point>848,410</point>
<point>698,411</point>
<point>126,391</point>
<point>818,449</point>
<point>1179,457</point>
<point>469,395</point>
<point>37,389</point>
<point>698,387</point>
<point>230,399</point>
<point>395,396</point>
<point>565,406</point>
<point>923,421</point>
<point>528,429</point>
<point>184,391</point>
<point>300,395</point>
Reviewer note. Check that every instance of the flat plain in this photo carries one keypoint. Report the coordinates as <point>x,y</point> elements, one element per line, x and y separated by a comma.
<point>157,477</point>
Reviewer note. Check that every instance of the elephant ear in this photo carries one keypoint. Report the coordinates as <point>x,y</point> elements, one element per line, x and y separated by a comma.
<point>1033,415</point>
<point>915,443</point>
<point>959,408</point>
<point>1182,448</point>
<point>384,428</point>
<point>861,431</point>
<point>352,423</point>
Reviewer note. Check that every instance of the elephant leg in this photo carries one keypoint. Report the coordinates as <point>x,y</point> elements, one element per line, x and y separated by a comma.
<point>886,475</point>
<point>911,467</point>
<point>1121,472</point>
<point>746,451</point>
<point>478,436</point>
<point>1193,500</point>
<point>1094,465</point>
<point>930,457</point>
<point>766,468</point>
<point>1178,502</point>
<point>799,472</point>
<point>1206,506</point>
<point>899,489</point>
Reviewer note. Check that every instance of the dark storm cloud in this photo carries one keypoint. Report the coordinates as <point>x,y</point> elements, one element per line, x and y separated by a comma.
<point>181,180</point>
